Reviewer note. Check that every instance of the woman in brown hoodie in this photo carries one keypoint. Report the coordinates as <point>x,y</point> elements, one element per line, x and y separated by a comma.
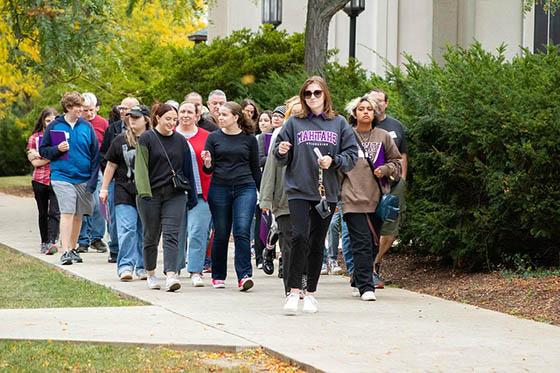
<point>360,192</point>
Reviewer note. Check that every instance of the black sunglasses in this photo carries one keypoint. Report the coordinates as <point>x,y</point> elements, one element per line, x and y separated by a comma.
<point>318,93</point>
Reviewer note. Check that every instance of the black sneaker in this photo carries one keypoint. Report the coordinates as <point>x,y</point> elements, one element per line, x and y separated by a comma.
<point>74,256</point>
<point>66,259</point>
<point>82,248</point>
<point>268,267</point>
<point>99,246</point>
<point>111,259</point>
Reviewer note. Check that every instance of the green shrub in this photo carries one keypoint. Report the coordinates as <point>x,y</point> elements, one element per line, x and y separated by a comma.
<point>13,154</point>
<point>345,83</point>
<point>484,147</point>
<point>242,58</point>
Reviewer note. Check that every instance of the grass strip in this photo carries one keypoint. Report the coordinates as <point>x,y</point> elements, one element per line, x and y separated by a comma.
<point>28,283</point>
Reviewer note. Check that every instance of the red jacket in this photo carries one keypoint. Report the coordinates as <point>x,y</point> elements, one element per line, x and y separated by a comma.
<point>198,142</point>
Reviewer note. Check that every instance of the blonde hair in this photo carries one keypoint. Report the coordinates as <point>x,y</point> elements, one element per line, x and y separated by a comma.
<point>353,105</point>
<point>290,103</point>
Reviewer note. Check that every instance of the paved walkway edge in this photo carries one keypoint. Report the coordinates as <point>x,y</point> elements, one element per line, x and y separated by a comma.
<point>175,346</point>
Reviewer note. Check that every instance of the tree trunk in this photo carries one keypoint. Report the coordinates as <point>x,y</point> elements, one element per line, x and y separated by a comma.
<point>319,15</point>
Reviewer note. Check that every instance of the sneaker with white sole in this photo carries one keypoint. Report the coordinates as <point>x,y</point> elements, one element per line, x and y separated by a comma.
<point>291,305</point>
<point>142,274</point>
<point>245,283</point>
<point>310,304</point>
<point>172,283</point>
<point>153,282</point>
<point>368,296</point>
<point>196,280</point>
<point>355,292</point>
<point>324,269</point>
<point>218,284</point>
<point>334,268</point>
<point>126,276</point>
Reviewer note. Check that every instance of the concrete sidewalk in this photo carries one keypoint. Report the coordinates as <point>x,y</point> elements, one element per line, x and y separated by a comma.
<point>402,331</point>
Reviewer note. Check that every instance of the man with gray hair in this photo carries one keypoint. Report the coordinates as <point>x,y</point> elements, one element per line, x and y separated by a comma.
<point>216,99</point>
<point>196,99</point>
<point>93,227</point>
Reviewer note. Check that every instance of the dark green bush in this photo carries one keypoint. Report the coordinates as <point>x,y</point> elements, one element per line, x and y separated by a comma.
<point>483,136</point>
<point>13,155</point>
<point>240,59</point>
<point>345,83</point>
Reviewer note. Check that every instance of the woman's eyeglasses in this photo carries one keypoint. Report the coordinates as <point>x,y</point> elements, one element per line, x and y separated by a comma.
<point>318,93</point>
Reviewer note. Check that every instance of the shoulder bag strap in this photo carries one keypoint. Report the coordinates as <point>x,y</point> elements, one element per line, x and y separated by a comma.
<point>164,152</point>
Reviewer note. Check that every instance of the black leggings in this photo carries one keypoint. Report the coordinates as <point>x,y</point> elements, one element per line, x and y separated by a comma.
<point>49,214</point>
<point>308,238</point>
<point>363,247</point>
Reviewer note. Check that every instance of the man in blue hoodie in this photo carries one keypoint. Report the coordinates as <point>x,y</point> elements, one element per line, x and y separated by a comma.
<point>71,145</point>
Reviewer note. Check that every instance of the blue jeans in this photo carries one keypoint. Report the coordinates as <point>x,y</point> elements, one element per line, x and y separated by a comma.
<point>337,225</point>
<point>199,222</point>
<point>232,206</point>
<point>113,234</point>
<point>93,227</point>
<point>131,243</point>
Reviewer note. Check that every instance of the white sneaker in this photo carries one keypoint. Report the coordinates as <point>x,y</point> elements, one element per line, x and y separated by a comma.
<point>334,268</point>
<point>172,283</point>
<point>153,282</point>
<point>368,296</point>
<point>126,276</point>
<point>196,280</point>
<point>291,305</point>
<point>310,304</point>
<point>355,292</point>
<point>324,269</point>
<point>141,274</point>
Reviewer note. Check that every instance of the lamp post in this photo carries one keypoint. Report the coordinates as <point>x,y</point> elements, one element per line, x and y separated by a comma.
<point>353,9</point>
<point>272,12</point>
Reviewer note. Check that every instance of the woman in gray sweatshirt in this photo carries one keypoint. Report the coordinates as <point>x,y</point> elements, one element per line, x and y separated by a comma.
<point>313,145</point>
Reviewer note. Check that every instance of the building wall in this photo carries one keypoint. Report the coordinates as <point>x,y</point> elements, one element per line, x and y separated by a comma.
<point>389,28</point>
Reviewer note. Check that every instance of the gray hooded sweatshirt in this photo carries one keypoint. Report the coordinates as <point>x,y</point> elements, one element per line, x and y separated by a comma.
<point>332,137</point>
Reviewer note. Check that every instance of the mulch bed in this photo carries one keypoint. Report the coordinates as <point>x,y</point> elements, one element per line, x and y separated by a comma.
<point>535,298</point>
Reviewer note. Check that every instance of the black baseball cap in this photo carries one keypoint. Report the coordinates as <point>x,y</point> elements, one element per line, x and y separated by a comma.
<point>139,111</point>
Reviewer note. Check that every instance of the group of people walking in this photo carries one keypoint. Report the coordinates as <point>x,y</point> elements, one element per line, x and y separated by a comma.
<point>193,176</point>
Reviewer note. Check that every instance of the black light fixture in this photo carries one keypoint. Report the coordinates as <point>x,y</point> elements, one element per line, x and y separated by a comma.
<point>199,37</point>
<point>353,9</point>
<point>272,12</point>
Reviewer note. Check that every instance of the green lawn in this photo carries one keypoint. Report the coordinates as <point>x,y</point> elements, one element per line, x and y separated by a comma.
<point>28,283</point>
<point>27,356</point>
<point>15,181</point>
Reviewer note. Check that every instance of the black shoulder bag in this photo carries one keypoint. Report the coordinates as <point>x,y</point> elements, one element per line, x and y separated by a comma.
<point>388,206</point>
<point>179,181</point>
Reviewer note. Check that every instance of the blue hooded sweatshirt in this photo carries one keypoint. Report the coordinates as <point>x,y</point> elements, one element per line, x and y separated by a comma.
<point>82,165</point>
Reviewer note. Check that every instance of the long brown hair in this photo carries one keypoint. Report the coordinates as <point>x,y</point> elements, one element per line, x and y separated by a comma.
<point>40,124</point>
<point>242,122</point>
<point>328,108</point>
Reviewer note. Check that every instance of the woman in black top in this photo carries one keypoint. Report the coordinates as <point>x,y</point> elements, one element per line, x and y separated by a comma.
<point>160,153</point>
<point>232,155</point>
